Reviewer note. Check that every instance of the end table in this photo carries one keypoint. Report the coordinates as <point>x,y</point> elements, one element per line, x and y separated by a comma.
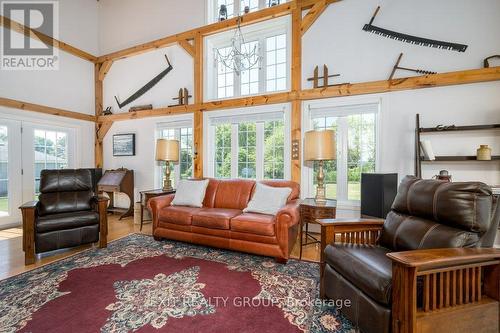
<point>310,211</point>
<point>145,196</point>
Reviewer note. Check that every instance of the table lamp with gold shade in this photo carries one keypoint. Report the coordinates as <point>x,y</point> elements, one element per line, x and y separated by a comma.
<point>168,151</point>
<point>320,146</point>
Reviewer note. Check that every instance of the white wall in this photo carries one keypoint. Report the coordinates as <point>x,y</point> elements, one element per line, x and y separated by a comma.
<point>125,23</point>
<point>361,56</point>
<point>128,75</point>
<point>72,85</point>
<point>143,163</point>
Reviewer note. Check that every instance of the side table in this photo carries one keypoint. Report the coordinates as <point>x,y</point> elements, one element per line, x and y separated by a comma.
<point>310,211</point>
<point>145,196</point>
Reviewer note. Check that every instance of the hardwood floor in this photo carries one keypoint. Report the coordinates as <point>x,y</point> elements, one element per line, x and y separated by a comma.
<point>12,255</point>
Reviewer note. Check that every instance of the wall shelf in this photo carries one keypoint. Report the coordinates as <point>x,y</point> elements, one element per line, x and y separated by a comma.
<point>419,159</point>
<point>461,128</point>
<point>459,159</point>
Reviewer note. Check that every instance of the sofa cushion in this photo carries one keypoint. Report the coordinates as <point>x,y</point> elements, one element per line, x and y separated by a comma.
<point>177,214</point>
<point>190,193</point>
<point>365,266</point>
<point>63,221</point>
<point>215,218</point>
<point>267,199</point>
<point>259,224</point>
<point>233,193</point>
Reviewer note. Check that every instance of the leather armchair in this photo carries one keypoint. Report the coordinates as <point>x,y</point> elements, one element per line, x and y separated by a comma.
<point>429,267</point>
<point>67,214</point>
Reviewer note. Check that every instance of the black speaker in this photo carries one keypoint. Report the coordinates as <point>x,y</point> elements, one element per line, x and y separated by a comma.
<point>378,191</point>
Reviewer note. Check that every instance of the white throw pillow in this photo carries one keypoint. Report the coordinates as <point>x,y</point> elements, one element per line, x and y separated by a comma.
<point>268,199</point>
<point>190,193</point>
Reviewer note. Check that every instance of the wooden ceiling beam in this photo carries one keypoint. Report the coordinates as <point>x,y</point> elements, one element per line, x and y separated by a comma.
<point>408,83</point>
<point>167,111</point>
<point>311,16</point>
<point>308,4</point>
<point>102,130</point>
<point>104,69</point>
<point>187,46</point>
<point>15,104</point>
<point>32,33</point>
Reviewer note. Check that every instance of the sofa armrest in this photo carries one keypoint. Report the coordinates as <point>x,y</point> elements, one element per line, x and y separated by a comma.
<point>156,204</point>
<point>29,213</point>
<point>430,259</point>
<point>161,201</point>
<point>450,278</point>
<point>290,214</point>
<point>350,230</point>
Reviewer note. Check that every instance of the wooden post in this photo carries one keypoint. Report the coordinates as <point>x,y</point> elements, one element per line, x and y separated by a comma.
<point>296,80</point>
<point>98,153</point>
<point>198,99</point>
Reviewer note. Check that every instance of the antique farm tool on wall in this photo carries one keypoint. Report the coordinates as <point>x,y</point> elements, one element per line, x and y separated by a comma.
<point>183,97</point>
<point>141,107</point>
<point>315,79</point>
<point>486,62</point>
<point>147,86</point>
<point>411,39</point>
<point>396,67</point>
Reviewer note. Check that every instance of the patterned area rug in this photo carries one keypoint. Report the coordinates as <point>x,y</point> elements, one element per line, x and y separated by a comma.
<point>140,285</point>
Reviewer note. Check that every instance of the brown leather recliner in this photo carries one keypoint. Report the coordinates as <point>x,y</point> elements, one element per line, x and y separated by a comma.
<point>422,288</point>
<point>222,223</point>
<point>67,214</point>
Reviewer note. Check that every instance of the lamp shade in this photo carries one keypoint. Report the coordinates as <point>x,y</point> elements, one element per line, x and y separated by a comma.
<point>167,150</point>
<point>319,145</point>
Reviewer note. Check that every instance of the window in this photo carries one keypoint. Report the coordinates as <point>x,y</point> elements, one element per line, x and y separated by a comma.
<point>276,63</point>
<point>223,151</point>
<point>355,127</point>
<point>247,146</point>
<point>51,152</point>
<point>182,131</point>
<point>271,74</point>
<point>236,6</point>
<point>225,77</point>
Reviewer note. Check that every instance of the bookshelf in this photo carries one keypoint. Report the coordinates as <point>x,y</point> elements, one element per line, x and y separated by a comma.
<point>419,159</point>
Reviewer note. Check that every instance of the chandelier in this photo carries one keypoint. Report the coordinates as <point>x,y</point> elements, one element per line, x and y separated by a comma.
<point>240,55</point>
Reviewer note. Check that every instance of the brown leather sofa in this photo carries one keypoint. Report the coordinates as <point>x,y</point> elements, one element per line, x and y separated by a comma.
<point>221,222</point>
<point>443,274</point>
<point>68,213</point>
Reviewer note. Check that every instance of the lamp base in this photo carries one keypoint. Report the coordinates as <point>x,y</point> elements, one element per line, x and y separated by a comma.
<point>320,198</point>
<point>320,189</point>
<point>167,183</point>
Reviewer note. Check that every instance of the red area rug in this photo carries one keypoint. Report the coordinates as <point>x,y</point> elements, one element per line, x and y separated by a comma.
<point>140,285</point>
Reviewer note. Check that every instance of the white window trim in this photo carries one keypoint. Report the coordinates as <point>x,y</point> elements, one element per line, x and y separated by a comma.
<point>259,32</point>
<point>307,188</point>
<point>179,121</point>
<point>209,140</point>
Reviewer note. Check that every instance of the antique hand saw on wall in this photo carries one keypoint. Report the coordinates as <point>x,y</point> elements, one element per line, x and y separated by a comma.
<point>146,87</point>
<point>411,39</point>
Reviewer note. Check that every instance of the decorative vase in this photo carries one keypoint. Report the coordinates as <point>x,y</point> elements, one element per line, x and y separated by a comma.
<point>484,153</point>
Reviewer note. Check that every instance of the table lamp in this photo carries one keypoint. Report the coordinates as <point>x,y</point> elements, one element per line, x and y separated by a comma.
<point>168,151</point>
<point>320,146</point>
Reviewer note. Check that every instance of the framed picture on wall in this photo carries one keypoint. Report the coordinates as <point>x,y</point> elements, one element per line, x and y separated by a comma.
<point>124,144</point>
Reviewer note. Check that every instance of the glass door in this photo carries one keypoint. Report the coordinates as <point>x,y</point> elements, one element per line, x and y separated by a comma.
<point>10,172</point>
<point>44,147</point>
